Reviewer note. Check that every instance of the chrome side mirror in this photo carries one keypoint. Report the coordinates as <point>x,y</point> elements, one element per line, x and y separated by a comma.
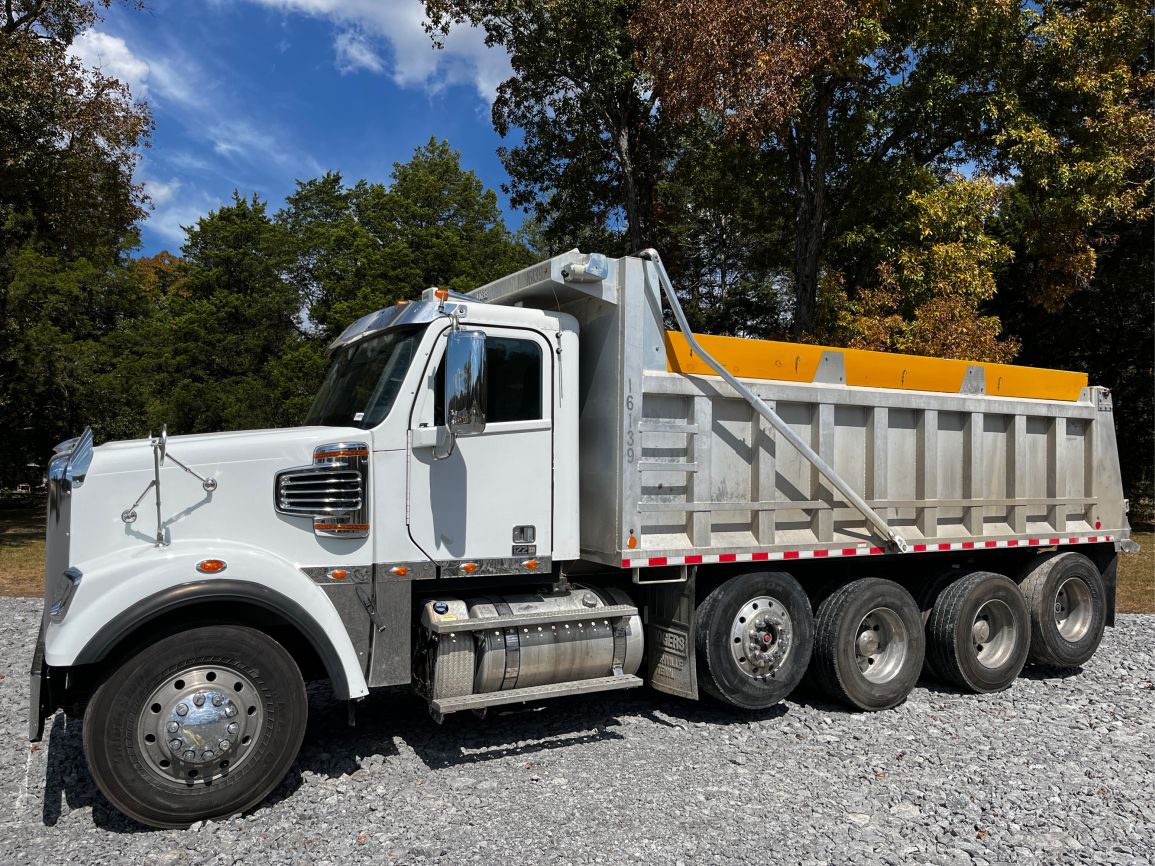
<point>465,383</point>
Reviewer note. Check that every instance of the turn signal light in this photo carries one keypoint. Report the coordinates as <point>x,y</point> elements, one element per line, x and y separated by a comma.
<point>338,574</point>
<point>469,567</point>
<point>211,566</point>
<point>531,564</point>
<point>399,570</point>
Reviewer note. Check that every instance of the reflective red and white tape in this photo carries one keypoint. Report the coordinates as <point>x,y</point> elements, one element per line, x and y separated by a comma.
<point>824,553</point>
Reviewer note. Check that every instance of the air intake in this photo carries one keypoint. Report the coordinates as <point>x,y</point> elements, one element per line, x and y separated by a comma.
<point>333,490</point>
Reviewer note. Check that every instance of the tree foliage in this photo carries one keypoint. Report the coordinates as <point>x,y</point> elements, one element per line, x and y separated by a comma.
<point>69,140</point>
<point>928,299</point>
<point>860,97</point>
<point>591,148</point>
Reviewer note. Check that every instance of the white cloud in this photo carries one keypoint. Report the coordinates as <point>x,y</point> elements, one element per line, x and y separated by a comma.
<point>238,140</point>
<point>111,55</point>
<point>159,80</point>
<point>465,59</point>
<point>355,53</point>
<point>161,192</point>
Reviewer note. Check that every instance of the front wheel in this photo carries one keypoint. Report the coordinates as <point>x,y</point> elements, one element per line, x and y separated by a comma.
<point>754,635</point>
<point>202,724</point>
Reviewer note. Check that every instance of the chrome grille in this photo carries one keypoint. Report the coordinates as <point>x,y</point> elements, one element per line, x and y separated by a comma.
<point>333,490</point>
<point>319,490</point>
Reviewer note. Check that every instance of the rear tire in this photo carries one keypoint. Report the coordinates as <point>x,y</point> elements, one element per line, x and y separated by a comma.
<point>1068,604</point>
<point>203,724</point>
<point>979,633</point>
<point>868,644</point>
<point>754,635</point>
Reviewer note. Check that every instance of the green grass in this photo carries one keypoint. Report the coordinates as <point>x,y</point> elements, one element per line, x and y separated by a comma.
<point>22,562</point>
<point>22,551</point>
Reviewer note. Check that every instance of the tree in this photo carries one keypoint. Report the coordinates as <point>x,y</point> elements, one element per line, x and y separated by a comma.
<point>69,140</point>
<point>360,248</point>
<point>928,300</point>
<point>861,96</point>
<point>592,143</point>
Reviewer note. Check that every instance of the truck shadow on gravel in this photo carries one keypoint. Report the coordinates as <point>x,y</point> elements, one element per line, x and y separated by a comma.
<point>332,749</point>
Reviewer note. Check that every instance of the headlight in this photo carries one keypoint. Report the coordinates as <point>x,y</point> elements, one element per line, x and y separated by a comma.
<point>80,459</point>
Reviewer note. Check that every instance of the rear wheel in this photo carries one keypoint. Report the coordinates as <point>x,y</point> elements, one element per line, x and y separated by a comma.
<point>979,632</point>
<point>1067,601</point>
<point>202,724</point>
<point>754,635</point>
<point>868,644</point>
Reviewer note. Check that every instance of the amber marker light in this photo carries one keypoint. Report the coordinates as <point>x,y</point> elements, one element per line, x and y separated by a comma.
<point>338,574</point>
<point>399,570</point>
<point>211,566</point>
<point>469,567</point>
<point>631,542</point>
<point>531,564</point>
<point>345,452</point>
<point>441,294</point>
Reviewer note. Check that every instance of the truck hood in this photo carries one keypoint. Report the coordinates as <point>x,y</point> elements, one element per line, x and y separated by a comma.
<point>241,507</point>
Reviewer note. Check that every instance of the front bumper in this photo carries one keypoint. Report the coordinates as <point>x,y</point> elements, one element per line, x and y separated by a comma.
<point>38,690</point>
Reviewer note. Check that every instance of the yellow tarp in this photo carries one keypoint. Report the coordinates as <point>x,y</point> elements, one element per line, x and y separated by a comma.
<point>798,362</point>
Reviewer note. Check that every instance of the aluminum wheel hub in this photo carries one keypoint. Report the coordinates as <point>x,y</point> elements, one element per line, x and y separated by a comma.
<point>761,637</point>
<point>1073,609</point>
<point>993,633</point>
<point>199,724</point>
<point>881,645</point>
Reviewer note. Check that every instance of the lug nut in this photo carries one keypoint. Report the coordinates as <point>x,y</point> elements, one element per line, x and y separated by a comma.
<point>173,727</point>
<point>199,700</point>
<point>176,745</point>
<point>208,754</point>
<point>190,755</point>
<point>230,710</point>
<point>224,745</point>
<point>233,727</point>
<point>218,700</point>
<point>182,709</point>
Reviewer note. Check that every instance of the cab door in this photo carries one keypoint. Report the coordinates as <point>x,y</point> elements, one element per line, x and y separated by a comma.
<point>491,499</point>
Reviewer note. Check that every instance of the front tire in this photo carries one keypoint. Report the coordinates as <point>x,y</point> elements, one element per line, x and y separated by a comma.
<point>200,725</point>
<point>754,635</point>
<point>868,644</point>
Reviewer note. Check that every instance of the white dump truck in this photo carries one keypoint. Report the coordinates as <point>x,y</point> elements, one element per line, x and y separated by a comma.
<point>535,489</point>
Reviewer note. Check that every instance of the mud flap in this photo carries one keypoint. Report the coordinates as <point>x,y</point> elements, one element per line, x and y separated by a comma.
<point>670,665</point>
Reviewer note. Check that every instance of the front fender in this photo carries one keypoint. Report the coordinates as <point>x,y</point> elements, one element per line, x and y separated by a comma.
<point>120,593</point>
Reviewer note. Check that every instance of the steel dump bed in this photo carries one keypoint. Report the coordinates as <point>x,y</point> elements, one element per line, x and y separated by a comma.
<point>678,466</point>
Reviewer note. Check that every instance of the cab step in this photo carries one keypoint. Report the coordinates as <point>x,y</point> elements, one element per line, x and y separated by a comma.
<point>444,706</point>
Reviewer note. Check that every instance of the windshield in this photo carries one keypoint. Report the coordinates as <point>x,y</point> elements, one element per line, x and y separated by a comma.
<point>364,380</point>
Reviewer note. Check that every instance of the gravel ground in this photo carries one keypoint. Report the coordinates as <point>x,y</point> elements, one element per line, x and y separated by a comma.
<point>1061,768</point>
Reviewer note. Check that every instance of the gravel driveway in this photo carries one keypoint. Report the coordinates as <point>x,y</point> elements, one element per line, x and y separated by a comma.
<point>1061,768</point>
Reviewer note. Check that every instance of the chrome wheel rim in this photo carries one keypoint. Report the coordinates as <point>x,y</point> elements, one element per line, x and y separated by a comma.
<point>880,645</point>
<point>200,724</point>
<point>761,637</point>
<point>1073,609</point>
<point>993,633</point>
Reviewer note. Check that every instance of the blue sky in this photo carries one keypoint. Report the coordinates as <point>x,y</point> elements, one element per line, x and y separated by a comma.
<point>253,94</point>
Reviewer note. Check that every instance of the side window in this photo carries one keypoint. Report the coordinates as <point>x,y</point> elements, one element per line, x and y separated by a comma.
<point>513,374</point>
